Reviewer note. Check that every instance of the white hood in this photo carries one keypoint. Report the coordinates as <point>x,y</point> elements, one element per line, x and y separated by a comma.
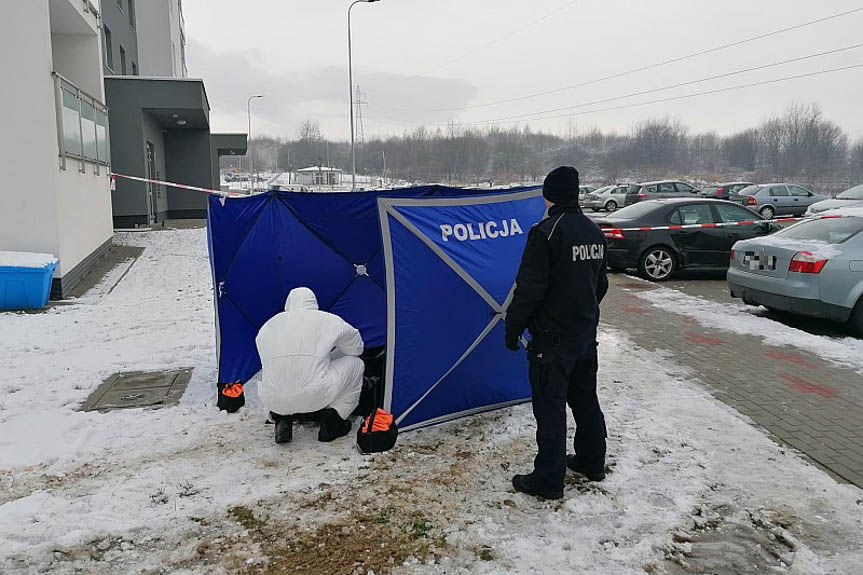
<point>301,298</point>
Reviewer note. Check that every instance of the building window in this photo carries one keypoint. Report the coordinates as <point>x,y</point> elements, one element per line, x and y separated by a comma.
<point>134,69</point>
<point>122,61</point>
<point>82,125</point>
<point>109,48</point>
<point>132,13</point>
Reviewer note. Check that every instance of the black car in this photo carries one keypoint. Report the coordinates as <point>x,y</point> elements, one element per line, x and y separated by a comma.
<point>725,191</point>
<point>663,189</point>
<point>658,254</point>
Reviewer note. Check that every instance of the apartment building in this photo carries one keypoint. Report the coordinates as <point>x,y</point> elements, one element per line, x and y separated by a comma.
<point>160,118</point>
<point>162,38</point>
<point>120,37</point>
<point>54,154</point>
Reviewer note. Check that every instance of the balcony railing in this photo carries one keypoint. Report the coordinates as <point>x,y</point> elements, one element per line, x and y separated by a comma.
<point>82,126</point>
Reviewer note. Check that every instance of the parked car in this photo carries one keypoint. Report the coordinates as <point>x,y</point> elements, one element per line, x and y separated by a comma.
<point>659,190</point>
<point>658,254</point>
<point>847,199</point>
<point>584,190</point>
<point>771,200</point>
<point>725,190</point>
<point>608,198</point>
<point>813,268</point>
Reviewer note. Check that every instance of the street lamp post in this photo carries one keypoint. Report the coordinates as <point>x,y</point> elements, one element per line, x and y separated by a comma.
<point>351,94</point>
<point>251,157</point>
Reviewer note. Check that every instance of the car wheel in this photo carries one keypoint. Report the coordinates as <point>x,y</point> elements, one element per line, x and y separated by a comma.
<point>611,206</point>
<point>856,320</point>
<point>657,264</point>
<point>767,212</point>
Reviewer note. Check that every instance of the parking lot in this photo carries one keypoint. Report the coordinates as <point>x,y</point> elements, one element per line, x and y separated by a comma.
<point>803,399</point>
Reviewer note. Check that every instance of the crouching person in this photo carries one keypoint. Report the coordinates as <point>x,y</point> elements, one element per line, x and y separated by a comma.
<point>310,363</point>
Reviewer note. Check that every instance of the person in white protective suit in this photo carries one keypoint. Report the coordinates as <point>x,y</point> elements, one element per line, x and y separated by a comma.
<point>310,363</point>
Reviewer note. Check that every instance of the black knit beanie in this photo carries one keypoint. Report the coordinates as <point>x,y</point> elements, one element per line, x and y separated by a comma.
<point>561,186</point>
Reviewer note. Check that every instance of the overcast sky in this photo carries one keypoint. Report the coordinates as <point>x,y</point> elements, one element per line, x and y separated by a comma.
<point>414,58</point>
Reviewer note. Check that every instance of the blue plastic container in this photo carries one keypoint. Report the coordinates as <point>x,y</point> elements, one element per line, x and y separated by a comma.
<point>25,287</point>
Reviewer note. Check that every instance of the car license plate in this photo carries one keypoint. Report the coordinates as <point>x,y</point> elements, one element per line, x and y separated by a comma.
<point>759,262</point>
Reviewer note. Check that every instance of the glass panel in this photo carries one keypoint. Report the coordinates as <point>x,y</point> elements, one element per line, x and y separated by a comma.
<point>778,191</point>
<point>666,188</point>
<point>637,210</point>
<point>734,214</point>
<point>71,125</point>
<point>831,230</point>
<point>102,147</point>
<point>855,193</point>
<point>799,192</point>
<point>684,188</point>
<point>88,127</point>
<point>750,191</point>
<point>696,214</point>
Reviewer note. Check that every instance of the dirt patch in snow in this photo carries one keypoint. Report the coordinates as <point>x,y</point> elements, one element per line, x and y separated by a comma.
<point>723,540</point>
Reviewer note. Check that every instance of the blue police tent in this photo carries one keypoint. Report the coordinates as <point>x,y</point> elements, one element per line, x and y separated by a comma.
<point>451,265</point>
<point>263,246</point>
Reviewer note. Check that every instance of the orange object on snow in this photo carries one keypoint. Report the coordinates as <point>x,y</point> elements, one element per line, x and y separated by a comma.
<point>383,421</point>
<point>233,390</point>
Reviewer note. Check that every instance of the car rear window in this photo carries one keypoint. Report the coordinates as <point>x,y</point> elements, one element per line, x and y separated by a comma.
<point>750,191</point>
<point>710,190</point>
<point>636,211</point>
<point>855,193</point>
<point>828,230</point>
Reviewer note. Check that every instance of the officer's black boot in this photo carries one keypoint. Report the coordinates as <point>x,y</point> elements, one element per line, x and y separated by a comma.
<point>332,426</point>
<point>284,427</point>
<point>594,473</point>
<point>528,484</point>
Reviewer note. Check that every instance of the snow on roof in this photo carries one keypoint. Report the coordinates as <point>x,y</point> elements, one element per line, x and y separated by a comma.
<point>319,169</point>
<point>26,260</point>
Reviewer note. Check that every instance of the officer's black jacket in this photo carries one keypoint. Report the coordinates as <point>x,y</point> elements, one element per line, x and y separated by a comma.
<point>561,280</point>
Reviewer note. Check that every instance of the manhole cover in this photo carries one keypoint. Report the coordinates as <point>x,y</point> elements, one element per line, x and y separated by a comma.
<point>139,389</point>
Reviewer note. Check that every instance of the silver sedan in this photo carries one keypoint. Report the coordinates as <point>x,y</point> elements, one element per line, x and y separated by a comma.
<point>608,198</point>
<point>813,268</point>
<point>771,200</point>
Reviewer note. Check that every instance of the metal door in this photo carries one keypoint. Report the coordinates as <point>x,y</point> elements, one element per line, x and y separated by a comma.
<point>780,200</point>
<point>701,247</point>
<point>152,208</point>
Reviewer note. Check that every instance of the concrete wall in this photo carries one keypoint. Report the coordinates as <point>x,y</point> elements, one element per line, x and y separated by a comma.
<point>65,213</point>
<point>28,148</point>
<point>73,59</point>
<point>127,152</point>
<point>189,161</point>
<point>122,34</point>
<point>161,36</point>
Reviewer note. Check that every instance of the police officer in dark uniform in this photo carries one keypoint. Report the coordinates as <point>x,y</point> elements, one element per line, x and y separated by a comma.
<point>560,285</point>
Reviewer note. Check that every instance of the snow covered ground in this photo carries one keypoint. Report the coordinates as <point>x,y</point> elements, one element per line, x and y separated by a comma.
<point>692,488</point>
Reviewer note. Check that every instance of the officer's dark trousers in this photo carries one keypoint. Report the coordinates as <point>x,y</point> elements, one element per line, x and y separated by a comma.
<point>557,380</point>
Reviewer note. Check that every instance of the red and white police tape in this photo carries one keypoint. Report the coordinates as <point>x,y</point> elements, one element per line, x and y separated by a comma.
<point>617,233</point>
<point>174,185</point>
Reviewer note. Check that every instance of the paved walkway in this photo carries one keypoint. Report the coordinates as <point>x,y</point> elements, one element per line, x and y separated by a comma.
<point>801,399</point>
